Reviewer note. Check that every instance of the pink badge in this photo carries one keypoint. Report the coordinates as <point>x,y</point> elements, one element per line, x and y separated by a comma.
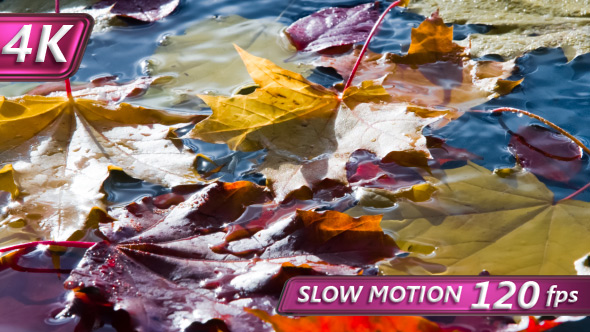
<point>42,47</point>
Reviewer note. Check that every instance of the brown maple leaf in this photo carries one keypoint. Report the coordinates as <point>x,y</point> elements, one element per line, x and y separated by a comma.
<point>434,72</point>
<point>175,260</point>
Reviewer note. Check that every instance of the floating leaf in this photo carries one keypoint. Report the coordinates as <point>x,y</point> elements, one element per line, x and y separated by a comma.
<point>147,11</point>
<point>163,260</point>
<point>434,72</point>
<point>203,59</point>
<point>381,183</point>
<point>398,169</point>
<point>103,18</point>
<point>31,6</point>
<point>546,153</point>
<point>61,151</point>
<point>310,134</point>
<point>245,121</point>
<point>367,171</point>
<point>443,153</point>
<point>347,323</point>
<point>518,27</point>
<point>480,221</point>
<point>333,27</point>
<point>104,12</point>
<point>103,88</point>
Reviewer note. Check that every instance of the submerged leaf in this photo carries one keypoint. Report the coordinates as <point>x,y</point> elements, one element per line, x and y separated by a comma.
<point>142,10</point>
<point>169,260</point>
<point>61,152</point>
<point>432,41</point>
<point>364,169</point>
<point>434,72</point>
<point>203,59</point>
<point>106,13</point>
<point>546,153</point>
<point>333,26</point>
<point>102,88</point>
<point>31,6</point>
<point>382,182</point>
<point>444,153</point>
<point>480,221</point>
<point>103,11</point>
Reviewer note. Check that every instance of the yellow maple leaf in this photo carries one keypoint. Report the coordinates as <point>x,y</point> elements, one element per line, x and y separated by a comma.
<point>481,221</point>
<point>309,132</point>
<point>55,153</point>
<point>243,121</point>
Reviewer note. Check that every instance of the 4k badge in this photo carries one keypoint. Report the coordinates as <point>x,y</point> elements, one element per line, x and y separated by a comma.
<point>42,47</point>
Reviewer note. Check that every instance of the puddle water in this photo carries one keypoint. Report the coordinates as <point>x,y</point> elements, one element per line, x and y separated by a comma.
<point>552,88</point>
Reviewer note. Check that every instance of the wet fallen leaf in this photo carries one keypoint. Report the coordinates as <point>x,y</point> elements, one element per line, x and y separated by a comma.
<point>332,27</point>
<point>60,151</point>
<point>31,6</point>
<point>380,183</point>
<point>104,12</point>
<point>480,221</point>
<point>142,10</point>
<point>103,18</point>
<point>242,121</point>
<point>400,169</point>
<point>309,133</point>
<point>435,71</point>
<point>546,153</point>
<point>347,323</point>
<point>518,26</point>
<point>366,170</point>
<point>164,263</point>
<point>203,60</point>
<point>443,153</point>
<point>102,88</point>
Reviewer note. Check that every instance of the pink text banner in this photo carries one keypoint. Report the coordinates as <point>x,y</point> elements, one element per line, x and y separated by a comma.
<point>436,295</point>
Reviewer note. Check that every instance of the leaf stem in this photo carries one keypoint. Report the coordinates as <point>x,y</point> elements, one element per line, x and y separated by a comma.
<point>13,263</point>
<point>536,117</point>
<point>552,125</point>
<point>575,193</point>
<point>69,244</point>
<point>366,45</point>
<point>68,85</point>
<point>69,89</point>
